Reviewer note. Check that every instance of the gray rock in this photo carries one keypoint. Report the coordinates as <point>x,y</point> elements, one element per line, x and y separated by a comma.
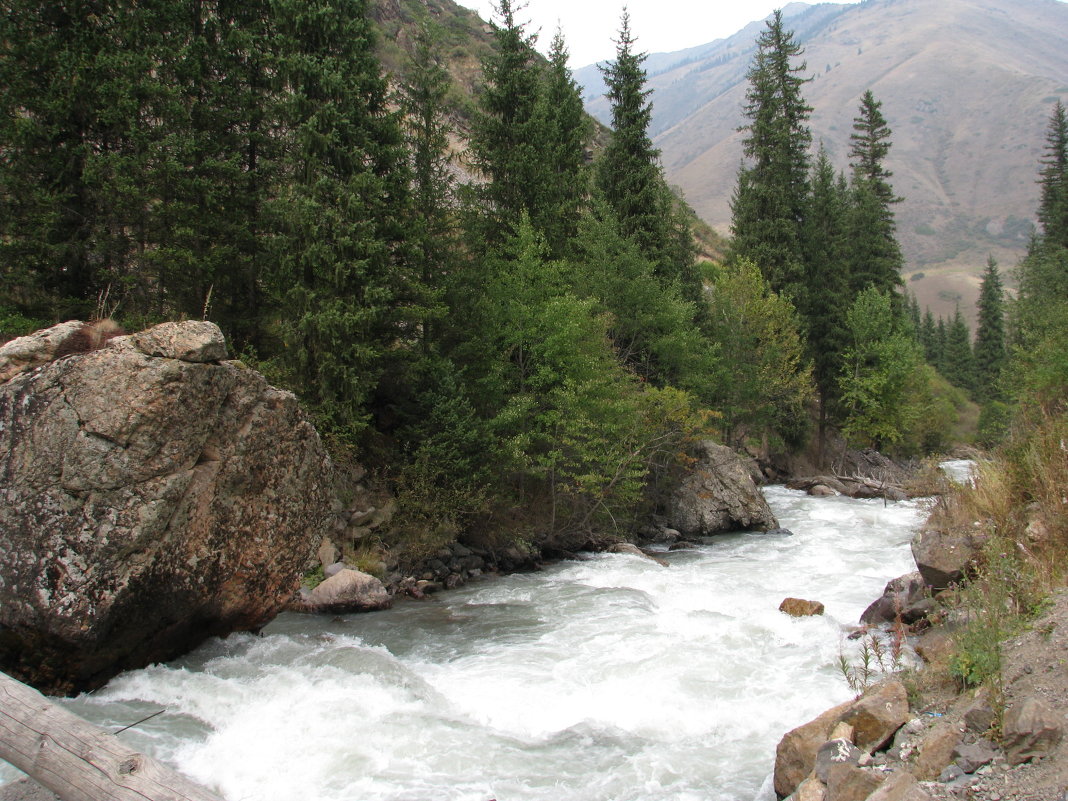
<point>1030,730</point>
<point>835,752</point>
<point>191,341</point>
<point>25,353</point>
<point>972,756</point>
<point>334,568</point>
<point>718,495</point>
<point>347,590</point>
<point>905,596</point>
<point>147,504</point>
<point>945,557</point>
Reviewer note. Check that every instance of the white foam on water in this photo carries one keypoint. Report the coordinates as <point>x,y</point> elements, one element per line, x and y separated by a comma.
<point>607,679</point>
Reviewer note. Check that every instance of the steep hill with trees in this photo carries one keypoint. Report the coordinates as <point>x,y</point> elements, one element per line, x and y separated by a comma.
<point>965,86</point>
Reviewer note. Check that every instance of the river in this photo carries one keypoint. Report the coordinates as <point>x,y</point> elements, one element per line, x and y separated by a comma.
<point>606,679</point>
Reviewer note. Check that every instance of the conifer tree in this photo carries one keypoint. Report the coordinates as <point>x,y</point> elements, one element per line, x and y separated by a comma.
<point>875,256</point>
<point>1053,208</point>
<point>565,129</point>
<point>342,214</point>
<point>629,175</point>
<point>431,232</point>
<point>506,142</point>
<point>824,296</point>
<point>769,202</point>
<point>990,350</point>
<point>958,358</point>
<point>929,337</point>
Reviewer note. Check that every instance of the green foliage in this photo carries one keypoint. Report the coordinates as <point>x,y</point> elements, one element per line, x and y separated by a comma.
<point>631,181</point>
<point>881,373</point>
<point>990,352</point>
<point>769,203</point>
<point>958,361</point>
<point>1053,208</point>
<point>764,381</point>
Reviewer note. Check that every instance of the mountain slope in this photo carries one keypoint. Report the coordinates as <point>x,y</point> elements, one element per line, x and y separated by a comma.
<point>967,87</point>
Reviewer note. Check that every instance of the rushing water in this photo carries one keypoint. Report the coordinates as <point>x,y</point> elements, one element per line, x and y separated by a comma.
<point>610,678</point>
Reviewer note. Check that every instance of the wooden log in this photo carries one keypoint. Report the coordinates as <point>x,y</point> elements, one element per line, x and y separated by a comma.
<point>78,761</point>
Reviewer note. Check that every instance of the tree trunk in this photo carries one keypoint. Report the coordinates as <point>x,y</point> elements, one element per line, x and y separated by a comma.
<point>78,761</point>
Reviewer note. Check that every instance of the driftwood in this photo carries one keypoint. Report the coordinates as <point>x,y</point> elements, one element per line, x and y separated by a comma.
<point>78,761</point>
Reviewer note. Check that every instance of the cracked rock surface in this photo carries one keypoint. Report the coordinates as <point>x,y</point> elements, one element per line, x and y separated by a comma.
<point>151,495</point>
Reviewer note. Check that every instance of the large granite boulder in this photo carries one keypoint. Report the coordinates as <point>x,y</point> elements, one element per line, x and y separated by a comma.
<point>151,496</point>
<point>718,495</point>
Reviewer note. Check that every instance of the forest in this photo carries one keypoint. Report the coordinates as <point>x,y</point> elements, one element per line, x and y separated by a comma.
<point>516,332</point>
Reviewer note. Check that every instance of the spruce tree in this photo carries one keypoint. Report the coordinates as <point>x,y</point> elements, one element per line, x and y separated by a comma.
<point>824,296</point>
<point>958,358</point>
<point>628,172</point>
<point>431,230</point>
<point>565,129</point>
<point>929,337</point>
<point>339,276</point>
<point>769,203</point>
<point>506,142</point>
<point>875,256</point>
<point>1053,208</point>
<point>990,351</point>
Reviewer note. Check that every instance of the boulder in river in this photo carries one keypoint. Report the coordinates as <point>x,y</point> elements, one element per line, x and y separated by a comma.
<point>798,607</point>
<point>152,495</point>
<point>718,495</point>
<point>945,555</point>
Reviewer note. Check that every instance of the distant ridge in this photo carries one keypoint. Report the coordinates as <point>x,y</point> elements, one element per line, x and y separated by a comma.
<point>967,87</point>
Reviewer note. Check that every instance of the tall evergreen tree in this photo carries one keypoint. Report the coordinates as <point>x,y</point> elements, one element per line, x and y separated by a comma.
<point>506,141</point>
<point>342,216</point>
<point>431,231</point>
<point>875,255</point>
<point>958,358</point>
<point>824,296</point>
<point>769,203</point>
<point>990,350</point>
<point>929,337</point>
<point>565,129</point>
<point>1053,208</point>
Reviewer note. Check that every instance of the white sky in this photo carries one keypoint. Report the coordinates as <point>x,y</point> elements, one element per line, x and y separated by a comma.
<point>660,26</point>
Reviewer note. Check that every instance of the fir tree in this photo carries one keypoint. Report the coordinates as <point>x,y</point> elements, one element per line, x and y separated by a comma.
<point>824,298</point>
<point>769,203</point>
<point>565,129</point>
<point>342,216</point>
<point>1053,208</point>
<point>929,337</point>
<point>875,256</point>
<point>431,231</point>
<point>506,141</point>
<point>958,358</point>
<point>989,350</point>
<point>629,174</point>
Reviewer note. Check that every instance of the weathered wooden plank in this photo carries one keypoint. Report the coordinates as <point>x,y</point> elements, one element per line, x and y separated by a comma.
<point>78,761</point>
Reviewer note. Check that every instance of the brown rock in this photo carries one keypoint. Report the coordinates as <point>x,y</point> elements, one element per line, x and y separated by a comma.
<point>797,607</point>
<point>795,756</point>
<point>900,785</point>
<point>936,751</point>
<point>811,789</point>
<point>148,503</point>
<point>879,713</point>
<point>347,590</point>
<point>847,782</point>
<point>718,495</point>
<point>1030,729</point>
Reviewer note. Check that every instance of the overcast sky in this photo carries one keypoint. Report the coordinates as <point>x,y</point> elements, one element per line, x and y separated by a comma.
<point>660,26</point>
